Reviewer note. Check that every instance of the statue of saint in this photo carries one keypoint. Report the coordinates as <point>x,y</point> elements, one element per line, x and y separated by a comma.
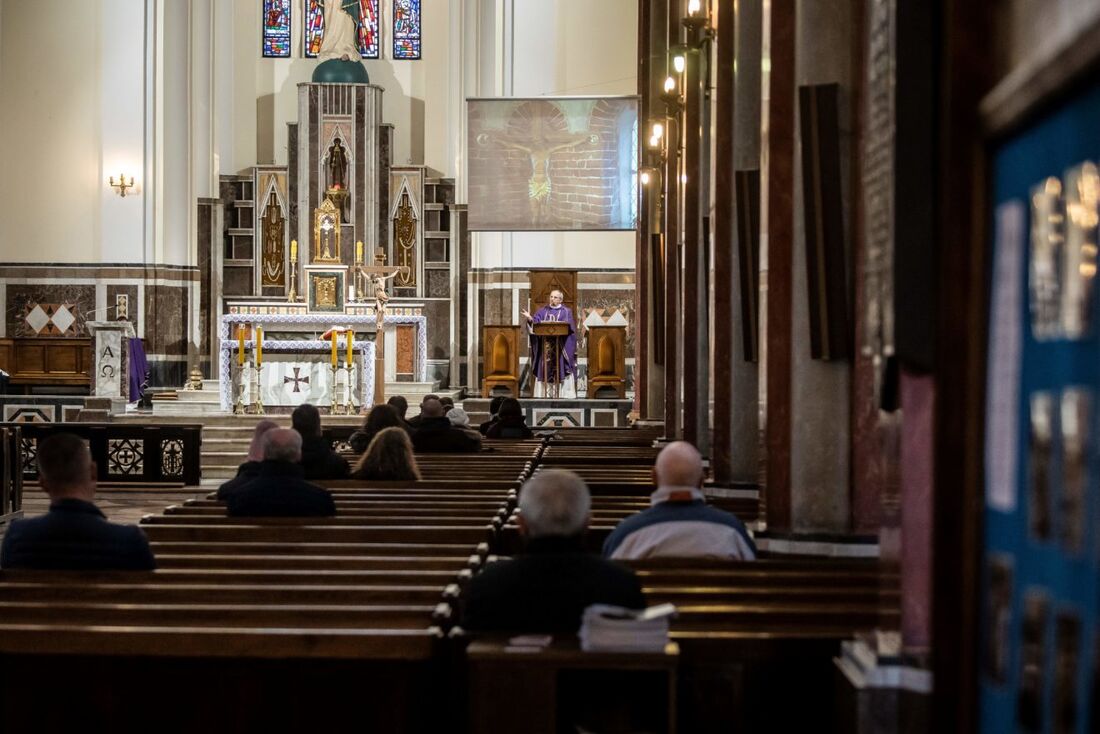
<point>339,41</point>
<point>337,166</point>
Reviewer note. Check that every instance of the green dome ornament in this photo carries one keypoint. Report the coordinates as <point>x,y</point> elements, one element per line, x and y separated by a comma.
<point>338,71</point>
<point>339,53</point>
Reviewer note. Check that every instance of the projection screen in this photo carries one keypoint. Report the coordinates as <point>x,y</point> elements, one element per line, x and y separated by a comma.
<point>552,163</point>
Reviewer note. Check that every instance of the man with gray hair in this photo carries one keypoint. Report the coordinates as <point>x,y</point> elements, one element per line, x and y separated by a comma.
<point>680,524</point>
<point>281,490</point>
<point>548,587</point>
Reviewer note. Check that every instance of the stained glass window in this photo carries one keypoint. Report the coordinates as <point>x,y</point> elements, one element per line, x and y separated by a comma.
<point>406,29</point>
<point>276,40</point>
<point>367,30</point>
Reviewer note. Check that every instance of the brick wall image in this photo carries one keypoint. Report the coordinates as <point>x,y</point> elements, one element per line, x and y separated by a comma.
<point>551,164</point>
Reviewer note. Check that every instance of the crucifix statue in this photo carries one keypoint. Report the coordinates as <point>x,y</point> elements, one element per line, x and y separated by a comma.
<point>379,273</point>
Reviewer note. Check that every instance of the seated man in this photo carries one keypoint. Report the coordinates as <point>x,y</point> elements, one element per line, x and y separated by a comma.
<point>548,587</point>
<point>510,422</point>
<point>494,410</point>
<point>414,422</point>
<point>436,434</point>
<point>250,469</point>
<point>680,524</point>
<point>281,490</point>
<point>401,405</point>
<point>318,458</point>
<point>74,534</point>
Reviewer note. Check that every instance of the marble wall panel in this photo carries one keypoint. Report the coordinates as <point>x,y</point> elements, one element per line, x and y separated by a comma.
<point>495,307</point>
<point>237,282</point>
<point>608,301</point>
<point>435,250</point>
<point>438,314</point>
<point>439,283</point>
<point>22,298</point>
<point>166,311</point>
<point>167,373</point>
<point>131,314</point>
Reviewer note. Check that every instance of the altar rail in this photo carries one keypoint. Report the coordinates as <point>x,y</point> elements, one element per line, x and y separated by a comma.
<point>122,453</point>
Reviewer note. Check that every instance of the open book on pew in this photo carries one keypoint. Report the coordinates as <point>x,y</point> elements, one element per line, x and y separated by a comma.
<point>606,628</point>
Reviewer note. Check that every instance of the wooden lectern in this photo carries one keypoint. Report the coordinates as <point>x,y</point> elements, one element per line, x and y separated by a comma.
<point>552,335</point>
<point>606,361</point>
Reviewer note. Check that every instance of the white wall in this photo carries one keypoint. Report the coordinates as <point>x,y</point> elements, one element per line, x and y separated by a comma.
<point>63,130</point>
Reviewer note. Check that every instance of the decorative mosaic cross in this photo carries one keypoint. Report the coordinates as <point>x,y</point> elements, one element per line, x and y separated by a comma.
<point>296,379</point>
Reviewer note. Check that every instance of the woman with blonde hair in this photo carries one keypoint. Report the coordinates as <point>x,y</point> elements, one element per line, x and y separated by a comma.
<point>388,457</point>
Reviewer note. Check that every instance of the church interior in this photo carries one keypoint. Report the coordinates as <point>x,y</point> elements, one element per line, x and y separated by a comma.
<point>843,248</point>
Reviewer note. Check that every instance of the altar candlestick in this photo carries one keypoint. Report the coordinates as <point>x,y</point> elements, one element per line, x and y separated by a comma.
<point>259,345</point>
<point>351,336</point>
<point>240,344</point>
<point>359,252</point>
<point>294,250</point>
<point>333,349</point>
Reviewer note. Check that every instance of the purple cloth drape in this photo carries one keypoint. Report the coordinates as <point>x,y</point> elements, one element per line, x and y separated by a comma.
<point>137,365</point>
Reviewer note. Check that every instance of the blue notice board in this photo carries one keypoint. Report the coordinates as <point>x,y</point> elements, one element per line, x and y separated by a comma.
<point>1039,644</point>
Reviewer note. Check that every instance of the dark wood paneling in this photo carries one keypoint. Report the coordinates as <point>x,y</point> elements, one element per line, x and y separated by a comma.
<point>47,360</point>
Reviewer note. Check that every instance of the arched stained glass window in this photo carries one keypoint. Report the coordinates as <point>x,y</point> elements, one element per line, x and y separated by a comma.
<point>406,29</point>
<point>276,25</point>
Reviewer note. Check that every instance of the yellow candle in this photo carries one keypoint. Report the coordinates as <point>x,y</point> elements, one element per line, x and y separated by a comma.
<point>359,251</point>
<point>351,337</point>
<point>293,250</point>
<point>334,348</point>
<point>259,345</point>
<point>240,344</point>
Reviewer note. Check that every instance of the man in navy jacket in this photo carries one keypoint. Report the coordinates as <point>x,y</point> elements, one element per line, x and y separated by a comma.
<point>281,489</point>
<point>74,534</point>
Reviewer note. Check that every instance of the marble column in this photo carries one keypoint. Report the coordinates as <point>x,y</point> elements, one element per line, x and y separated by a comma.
<point>642,308</point>
<point>673,307</point>
<point>725,249</point>
<point>820,390</point>
<point>693,317</point>
<point>780,211</point>
<point>653,407</point>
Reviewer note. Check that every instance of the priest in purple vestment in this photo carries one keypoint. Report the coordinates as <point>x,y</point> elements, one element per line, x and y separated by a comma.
<point>554,311</point>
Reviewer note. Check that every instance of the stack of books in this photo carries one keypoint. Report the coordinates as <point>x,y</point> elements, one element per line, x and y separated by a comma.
<point>607,628</point>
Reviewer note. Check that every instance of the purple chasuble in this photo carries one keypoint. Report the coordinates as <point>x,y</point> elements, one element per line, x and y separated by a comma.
<point>569,349</point>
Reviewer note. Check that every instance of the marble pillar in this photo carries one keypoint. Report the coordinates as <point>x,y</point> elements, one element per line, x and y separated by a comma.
<point>820,390</point>
<point>779,205</point>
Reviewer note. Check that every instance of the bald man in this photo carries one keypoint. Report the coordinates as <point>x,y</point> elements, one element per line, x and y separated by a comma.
<point>679,523</point>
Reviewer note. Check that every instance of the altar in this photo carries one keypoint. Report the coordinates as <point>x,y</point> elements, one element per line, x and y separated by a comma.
<point>297,365</point>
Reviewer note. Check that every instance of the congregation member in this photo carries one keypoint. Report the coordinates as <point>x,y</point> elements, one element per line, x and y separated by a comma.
<point>74,534</point>
<point>401,406</point>
<point>460,419</point>
<point>510,422</point>
<point>494,409</point>
<point>389,457</point>
<point>281,489</point>
<point>318,458</point>
<point>680,523</point>
<point>548,586</point>
<point>250,469</point>
<point>436,434</point>
<point>379,417</point>
<point>414,422</point>
<point>448,403</point>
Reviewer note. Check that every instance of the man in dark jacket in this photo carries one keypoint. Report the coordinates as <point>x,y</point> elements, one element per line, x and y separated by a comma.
<point>494,409</point>
<point>414,422</point>
<point>250,469</point>
<point>318,458</point>
<point>281,490</point>
<point>547,588</point>
<point>436,434</point>
<point>74,534</point>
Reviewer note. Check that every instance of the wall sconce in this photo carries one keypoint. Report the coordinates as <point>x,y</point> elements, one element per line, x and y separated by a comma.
<point>671,96</point>
<point>679,60</point>
<point>697,17</point>
<point>121,185</point>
